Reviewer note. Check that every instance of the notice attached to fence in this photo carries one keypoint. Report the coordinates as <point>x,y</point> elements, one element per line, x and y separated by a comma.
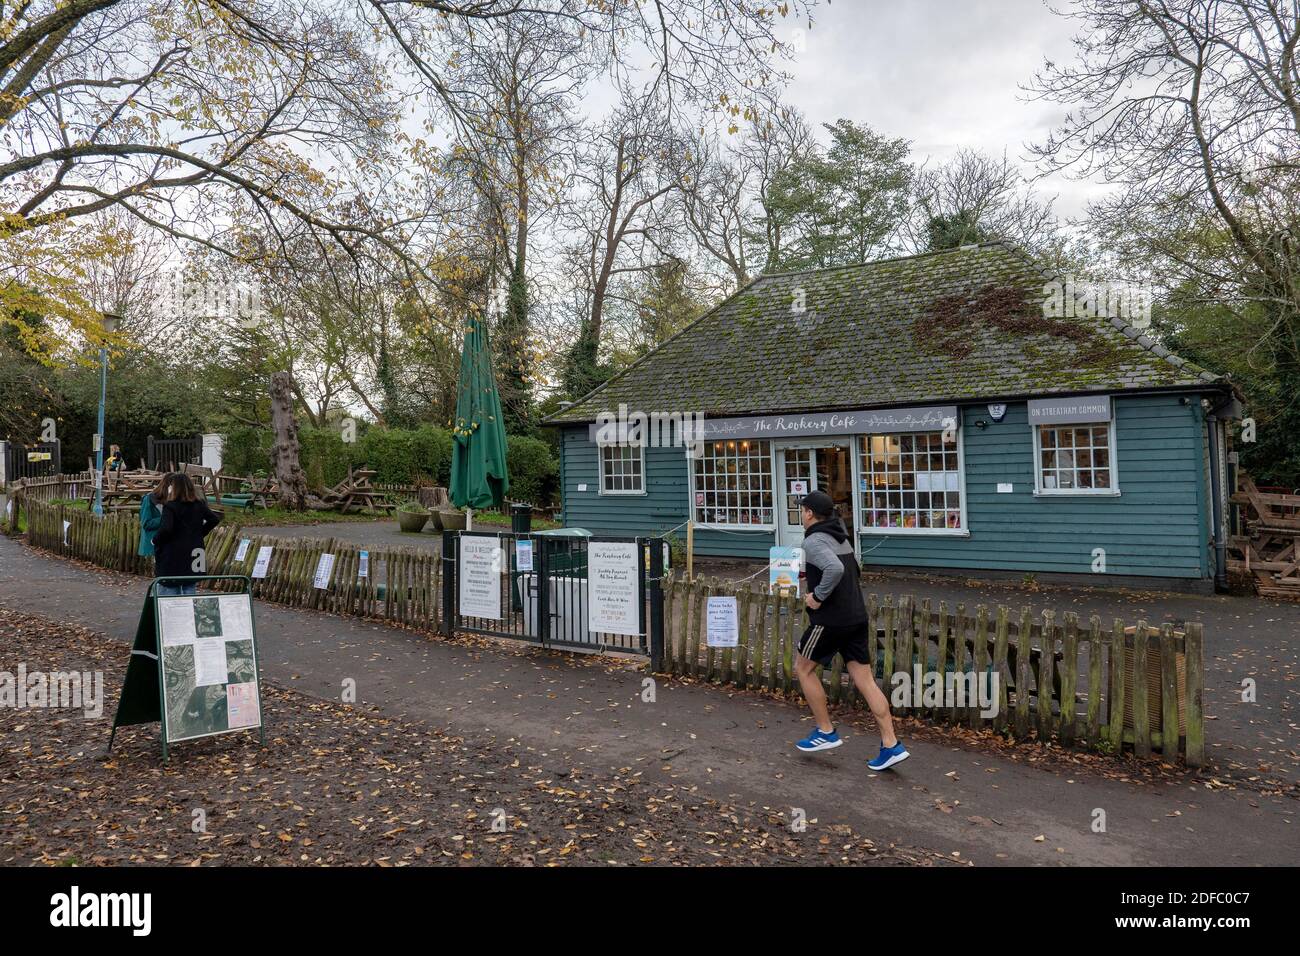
<point>480,577</point>
<point>242,551</point>
<point>363,565</point>
<point>263,562</point>
<point>324,569</point>
<point>723,622</point>
<point>524,555</point>
<point>613,599</point>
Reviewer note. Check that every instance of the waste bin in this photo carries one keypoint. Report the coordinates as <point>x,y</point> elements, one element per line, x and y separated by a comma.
<point>521,518</point>
<point>563,554</point>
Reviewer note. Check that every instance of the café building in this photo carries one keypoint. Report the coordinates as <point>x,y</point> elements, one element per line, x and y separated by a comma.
<point>966,410</point>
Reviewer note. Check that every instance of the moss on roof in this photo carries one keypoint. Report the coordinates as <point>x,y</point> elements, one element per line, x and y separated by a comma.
<point>960,325</point>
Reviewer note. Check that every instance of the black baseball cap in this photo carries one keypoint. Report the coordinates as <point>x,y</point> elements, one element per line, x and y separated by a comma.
<point>819,503</point>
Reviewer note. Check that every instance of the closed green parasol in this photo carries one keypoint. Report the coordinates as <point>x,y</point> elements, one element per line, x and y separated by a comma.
<point>479,478</point>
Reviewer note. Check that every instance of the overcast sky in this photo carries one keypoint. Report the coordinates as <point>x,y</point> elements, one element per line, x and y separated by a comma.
<point>944,74</point>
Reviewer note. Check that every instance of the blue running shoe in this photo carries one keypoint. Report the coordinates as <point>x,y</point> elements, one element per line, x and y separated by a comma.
<point>819,740</point>
<point>889,756</point>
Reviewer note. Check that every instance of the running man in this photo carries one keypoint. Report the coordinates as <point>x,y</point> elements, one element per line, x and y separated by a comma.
<point>837,624</point>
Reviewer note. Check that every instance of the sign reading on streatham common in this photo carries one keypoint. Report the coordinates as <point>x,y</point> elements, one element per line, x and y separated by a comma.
<point>193,667</point>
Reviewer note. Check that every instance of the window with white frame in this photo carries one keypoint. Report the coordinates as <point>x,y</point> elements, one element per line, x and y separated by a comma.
<point>1076,459</point>
<point>911,482</point>
<point>622,470</point>
<point>733,483</point>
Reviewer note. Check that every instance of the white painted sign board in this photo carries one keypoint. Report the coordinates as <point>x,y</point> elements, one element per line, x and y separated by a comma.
<point>613,600</point>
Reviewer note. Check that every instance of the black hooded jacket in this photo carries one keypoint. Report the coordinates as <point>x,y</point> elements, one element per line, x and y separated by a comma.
<point>184,526</point>
<point>843,606</point>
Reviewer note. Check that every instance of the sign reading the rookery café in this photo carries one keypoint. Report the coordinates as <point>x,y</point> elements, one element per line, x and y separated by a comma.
<point>813,424</point>
<point>832,423</point>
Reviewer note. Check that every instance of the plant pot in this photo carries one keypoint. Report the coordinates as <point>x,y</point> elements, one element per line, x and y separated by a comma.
<point>452,520</point>
<point>435,521</point>
<point>411,521</point>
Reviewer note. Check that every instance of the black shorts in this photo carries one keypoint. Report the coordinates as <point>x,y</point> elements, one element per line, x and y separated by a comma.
<point>821,644</point>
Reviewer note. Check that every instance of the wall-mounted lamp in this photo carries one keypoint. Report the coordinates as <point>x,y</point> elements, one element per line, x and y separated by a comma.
<point>981,423</point>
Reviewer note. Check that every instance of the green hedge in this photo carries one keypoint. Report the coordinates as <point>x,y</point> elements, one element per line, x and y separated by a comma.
<point>398,456</point>
<point>247,451</point>
<point>401,455</point>
<point>534,470</point>
<point>324,457</point>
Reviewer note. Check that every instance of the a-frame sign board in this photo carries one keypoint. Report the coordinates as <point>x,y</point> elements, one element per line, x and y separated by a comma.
<point>194,665</point>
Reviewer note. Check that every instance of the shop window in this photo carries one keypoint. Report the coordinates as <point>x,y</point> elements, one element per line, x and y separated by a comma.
<point>1075,460</point>
<point>733,483</point>
<point>622,470</point>
<point>911,483</point>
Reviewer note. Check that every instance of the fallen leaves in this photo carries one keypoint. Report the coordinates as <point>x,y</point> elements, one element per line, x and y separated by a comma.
<point>355,787</point>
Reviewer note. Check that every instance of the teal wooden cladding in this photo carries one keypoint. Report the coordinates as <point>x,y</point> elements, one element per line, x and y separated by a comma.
<point>1155,527</point>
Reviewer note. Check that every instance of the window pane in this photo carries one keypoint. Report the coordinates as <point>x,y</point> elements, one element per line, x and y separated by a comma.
<point>910,481</point>
<point>733,483</point>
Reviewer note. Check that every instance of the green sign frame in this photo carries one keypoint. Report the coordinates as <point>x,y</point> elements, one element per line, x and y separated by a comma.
<point>144,697</point>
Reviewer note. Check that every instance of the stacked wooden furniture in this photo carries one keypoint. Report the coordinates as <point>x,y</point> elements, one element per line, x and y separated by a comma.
<point>1269,552</point>
<point>123,490</point>
<point>357,492</point>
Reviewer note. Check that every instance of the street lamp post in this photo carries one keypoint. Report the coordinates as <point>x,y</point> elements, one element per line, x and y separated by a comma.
<point>110,325</point>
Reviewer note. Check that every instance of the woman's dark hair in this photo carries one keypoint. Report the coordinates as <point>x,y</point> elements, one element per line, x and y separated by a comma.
<point>159,493</point>
<point>180,488</point>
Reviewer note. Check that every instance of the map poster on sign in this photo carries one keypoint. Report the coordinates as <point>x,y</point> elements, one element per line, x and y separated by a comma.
<point>193,667</point>
<point>208,662</point>
<point>480,576</point>
<point>613,599</point>
<point>723,622</point>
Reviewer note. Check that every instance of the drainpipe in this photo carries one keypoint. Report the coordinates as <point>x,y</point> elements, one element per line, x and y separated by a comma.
<point>1216,496</point>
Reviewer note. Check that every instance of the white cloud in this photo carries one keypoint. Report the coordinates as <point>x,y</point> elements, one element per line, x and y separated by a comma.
<point>944,74</point>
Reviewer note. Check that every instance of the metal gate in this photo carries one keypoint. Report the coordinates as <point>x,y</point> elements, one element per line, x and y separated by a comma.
<point>170,453</point>
<point>537,587</point>
<point>41,460</point>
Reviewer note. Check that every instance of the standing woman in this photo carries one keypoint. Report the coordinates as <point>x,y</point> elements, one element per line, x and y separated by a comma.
<point>151,516</point>
<point>186,521</point>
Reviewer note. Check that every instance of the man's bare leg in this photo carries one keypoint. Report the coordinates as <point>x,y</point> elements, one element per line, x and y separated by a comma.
<point>865,679</point>
<point>814,693</point>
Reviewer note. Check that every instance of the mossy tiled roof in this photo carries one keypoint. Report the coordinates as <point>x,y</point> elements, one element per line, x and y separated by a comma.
<point>964,324</point>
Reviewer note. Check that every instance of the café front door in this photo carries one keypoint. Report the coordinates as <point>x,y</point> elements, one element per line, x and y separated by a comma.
<point>803,468</point>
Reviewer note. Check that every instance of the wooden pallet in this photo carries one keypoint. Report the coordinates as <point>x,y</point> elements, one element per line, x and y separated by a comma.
<point>1268,554</point>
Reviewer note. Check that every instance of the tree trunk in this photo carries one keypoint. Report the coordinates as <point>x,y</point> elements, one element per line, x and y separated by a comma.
<point>285,451</point>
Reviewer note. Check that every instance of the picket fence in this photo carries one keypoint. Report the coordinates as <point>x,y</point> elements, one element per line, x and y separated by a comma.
<point>402,585</point>
<point>1040,663</point>
<point>1063,679</point>
<point>55,487</point>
